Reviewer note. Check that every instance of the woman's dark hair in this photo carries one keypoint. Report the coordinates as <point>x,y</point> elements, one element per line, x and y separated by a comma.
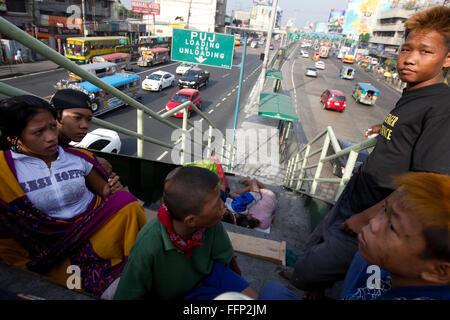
<point>15,113</point>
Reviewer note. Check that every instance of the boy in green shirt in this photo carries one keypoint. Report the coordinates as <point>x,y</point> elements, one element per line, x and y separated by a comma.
<point>185,252</point>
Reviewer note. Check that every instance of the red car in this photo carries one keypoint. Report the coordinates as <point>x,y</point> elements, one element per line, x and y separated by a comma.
<point>182,96</point>
<point>333,99</point>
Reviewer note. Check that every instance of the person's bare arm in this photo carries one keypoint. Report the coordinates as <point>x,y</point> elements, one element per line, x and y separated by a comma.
<point>106,165</point>
<point>101,187</point>
<point>250,292</point>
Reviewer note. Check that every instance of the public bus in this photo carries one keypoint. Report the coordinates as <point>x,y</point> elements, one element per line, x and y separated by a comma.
<point>323,52</point>
<point>349,58</point>
<point>121,59</point>
<point>128,83</point>
<point>82,50</point>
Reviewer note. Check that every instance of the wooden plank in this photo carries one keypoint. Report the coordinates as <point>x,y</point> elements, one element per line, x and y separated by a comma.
<point>260,248</point>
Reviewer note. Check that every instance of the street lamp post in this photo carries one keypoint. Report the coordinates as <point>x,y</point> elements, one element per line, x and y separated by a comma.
<point>268,41</point>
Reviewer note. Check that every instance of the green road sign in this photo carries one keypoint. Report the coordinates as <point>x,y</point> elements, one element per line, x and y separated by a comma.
<point>212,49</point>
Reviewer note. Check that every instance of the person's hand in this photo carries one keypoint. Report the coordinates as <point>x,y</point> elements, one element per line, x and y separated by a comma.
<point>112,186</point>
<point>373,130</point>
<point>353,225</point>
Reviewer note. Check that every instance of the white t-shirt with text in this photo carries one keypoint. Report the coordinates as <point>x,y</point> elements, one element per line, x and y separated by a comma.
<point>60,191</point>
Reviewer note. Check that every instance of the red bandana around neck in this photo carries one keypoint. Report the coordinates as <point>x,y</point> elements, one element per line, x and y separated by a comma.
<point>165,219</point>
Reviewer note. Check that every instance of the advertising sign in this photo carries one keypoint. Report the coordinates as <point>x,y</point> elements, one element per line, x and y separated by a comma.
<point>321,27</point>
<point>262,2</point>
<point>336,17</point>
<point>213,49</point>
<point>145,7</point>
<point>362,15</point>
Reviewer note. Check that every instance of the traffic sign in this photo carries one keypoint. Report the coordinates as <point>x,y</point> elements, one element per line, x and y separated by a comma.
<point>212,49</point>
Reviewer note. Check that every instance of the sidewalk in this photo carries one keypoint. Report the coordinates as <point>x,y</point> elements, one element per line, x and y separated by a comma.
<point>14,70</point>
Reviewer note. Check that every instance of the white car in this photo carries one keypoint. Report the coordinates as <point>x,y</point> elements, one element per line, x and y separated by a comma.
<point>185,66</point>
<point>320,65</point>
<point>158,80</point>
<point>254,44</point>
<point>104,140</point>
<point>311,72</point>
<point>305,54</point>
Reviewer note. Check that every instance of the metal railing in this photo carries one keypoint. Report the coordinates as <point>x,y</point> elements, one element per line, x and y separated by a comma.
<point>298,163</point>
<point>227,152</point>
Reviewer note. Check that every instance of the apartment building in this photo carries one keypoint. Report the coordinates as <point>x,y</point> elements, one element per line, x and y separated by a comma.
<point>389,31</point>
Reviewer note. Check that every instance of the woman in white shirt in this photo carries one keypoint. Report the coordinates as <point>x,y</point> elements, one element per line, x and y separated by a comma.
<point>57,207</point>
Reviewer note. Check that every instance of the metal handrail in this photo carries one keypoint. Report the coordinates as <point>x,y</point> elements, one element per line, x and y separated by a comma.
<point>19,35</point>
<point>298,164</point>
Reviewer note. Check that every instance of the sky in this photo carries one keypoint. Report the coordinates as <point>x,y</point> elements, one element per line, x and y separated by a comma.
<point>301,10</point>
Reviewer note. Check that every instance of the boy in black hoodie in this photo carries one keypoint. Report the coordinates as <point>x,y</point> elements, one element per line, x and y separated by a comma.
<point>415,136</point>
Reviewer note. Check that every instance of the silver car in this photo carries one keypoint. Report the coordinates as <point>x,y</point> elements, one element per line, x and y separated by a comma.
<point>311,72</point>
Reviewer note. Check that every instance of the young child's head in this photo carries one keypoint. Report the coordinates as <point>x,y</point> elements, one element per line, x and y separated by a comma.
<point>410,237</point>
<point>424,57</point>
<point>192,196</point>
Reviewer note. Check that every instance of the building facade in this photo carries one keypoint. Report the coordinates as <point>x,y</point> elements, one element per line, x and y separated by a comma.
<point>53,21</point>
<point>389,31</point>
<point>201,15</point>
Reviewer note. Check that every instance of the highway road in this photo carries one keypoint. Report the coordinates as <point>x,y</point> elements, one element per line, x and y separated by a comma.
<point>219,99</point>
<point>306,91</point>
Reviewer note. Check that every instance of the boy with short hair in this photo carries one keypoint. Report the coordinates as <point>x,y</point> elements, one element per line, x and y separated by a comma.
<point>185,252</point>
<point>409,240</point>
<point>74,115</point>
<point>73,118</point>
<point>415,136</point>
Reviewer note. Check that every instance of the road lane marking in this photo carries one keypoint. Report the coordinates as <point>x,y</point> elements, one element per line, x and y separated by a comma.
<point>217,104</point>
<point>166,65</point>
<point>224,99</point>
<point>210,111</point>
<point>31,74</point>
<point>229,94</point>
<point>226,75</point>
<point>162,155</point>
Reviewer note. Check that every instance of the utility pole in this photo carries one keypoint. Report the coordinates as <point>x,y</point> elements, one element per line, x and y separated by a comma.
<point>83,12</point>
<point>33,28</point>
<point>268,41</point>
<point>189,13</point>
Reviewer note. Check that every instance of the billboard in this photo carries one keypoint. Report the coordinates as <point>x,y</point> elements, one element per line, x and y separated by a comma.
<point>262,2</point>
<point>362,15</point>
<point>336,17</point>
<point>145,7</point>
<point>260,17</point>
<point>321,27</point>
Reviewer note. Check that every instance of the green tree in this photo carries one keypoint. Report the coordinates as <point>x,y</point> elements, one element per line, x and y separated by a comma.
<point>391,63</point>
<point>364,37</point>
